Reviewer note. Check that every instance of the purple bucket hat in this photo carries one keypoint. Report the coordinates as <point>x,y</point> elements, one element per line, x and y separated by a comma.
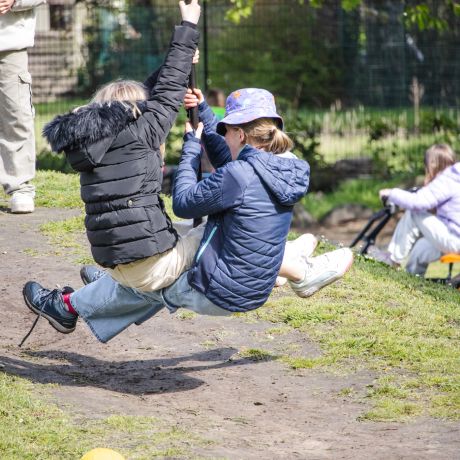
<point>248,104</point>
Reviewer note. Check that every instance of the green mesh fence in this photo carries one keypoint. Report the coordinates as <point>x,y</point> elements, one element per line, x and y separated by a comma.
<point>351,84</point>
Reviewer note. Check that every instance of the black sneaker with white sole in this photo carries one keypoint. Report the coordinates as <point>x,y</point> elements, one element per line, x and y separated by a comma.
<point>90,273</point>
<point>50,305</point>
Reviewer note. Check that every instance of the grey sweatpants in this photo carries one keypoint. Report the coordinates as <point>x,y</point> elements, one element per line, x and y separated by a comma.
<point>422,238</point>
<point>17,139</point>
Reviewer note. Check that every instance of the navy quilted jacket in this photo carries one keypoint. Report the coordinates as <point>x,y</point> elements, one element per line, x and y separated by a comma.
<point>249,203</point>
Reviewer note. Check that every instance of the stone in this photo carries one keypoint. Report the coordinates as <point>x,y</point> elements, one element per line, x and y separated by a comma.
<point>302,218</point>
<point>346,213</point>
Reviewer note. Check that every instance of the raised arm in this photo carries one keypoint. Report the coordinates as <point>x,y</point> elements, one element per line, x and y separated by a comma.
<point>193,199</point>
<point>426,198</point>
<point>215,145</point>
<point>152,79</point>
<point>171,81</point>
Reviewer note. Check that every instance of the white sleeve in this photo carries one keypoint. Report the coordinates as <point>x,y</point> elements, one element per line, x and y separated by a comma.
<point>21,5</point>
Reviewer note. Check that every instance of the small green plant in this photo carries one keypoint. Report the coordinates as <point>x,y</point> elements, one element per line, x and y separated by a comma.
<point>47,160</point>
<point>277,330</point>
<point>346,392</point>
<point>185,314</point>
<point>30,252</point>
<point>438,121</point>
<point>208,344</point>
<point>379,129</point>
<point>256,354</point>
<point>301,363</point>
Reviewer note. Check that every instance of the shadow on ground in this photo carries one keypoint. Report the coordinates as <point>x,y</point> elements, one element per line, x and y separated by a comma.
<point>144,376</point>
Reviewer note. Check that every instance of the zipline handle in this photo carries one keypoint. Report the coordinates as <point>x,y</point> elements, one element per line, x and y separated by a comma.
<point>193,112</point>
<point>194,120</point>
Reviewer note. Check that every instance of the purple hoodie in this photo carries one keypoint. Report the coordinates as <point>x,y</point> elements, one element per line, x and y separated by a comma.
<point>442,194</point>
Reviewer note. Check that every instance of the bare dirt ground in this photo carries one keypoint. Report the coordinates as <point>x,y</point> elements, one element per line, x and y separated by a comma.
<point>189,373</point>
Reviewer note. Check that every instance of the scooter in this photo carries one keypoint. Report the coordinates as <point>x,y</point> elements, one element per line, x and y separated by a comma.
<point>375,225</point>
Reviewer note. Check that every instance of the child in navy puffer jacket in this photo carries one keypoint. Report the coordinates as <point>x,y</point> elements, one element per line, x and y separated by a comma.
<point>249,201</point>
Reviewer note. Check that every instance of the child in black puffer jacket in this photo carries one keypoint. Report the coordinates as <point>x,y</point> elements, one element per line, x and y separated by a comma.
<point>115,143</point>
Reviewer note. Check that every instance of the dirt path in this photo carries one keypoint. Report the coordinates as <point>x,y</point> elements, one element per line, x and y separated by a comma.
<point>188,372</point>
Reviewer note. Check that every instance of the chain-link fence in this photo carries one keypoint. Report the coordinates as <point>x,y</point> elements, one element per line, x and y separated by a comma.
<point>353,83</point>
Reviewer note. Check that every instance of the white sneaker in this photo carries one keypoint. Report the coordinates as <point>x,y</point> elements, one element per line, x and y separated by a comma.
<point>323,270</point>
<point>280,281</point>
<point>302,248</point>
<point>22,203</point>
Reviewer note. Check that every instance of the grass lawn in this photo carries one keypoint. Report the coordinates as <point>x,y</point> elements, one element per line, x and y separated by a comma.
<point>402,329</point>
<point>33,429</point>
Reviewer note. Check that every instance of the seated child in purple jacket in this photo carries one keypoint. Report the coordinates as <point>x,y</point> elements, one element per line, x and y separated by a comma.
<point>422,236</point>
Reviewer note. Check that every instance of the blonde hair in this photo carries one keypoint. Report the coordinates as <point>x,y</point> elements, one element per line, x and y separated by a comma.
<point>437,158</point>
<point>128,92</point>
<point>264,134</point>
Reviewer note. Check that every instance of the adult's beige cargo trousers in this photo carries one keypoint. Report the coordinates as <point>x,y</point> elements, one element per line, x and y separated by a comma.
<point>17,140</point>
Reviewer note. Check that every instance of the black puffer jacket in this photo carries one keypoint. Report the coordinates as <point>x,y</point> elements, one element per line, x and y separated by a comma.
<point>120,163</point>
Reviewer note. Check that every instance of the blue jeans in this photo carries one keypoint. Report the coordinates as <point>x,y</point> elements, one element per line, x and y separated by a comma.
<point>109,308</point>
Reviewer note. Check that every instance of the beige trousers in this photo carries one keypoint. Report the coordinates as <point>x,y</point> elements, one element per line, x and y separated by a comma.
<point>17,139</point>
<point>157,272</point>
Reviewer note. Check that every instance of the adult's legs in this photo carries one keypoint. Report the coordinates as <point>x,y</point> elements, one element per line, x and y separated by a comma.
<point>17,140</point>
<point>109,308</point>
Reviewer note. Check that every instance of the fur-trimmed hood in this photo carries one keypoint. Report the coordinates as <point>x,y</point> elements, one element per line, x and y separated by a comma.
<point>89,124</point>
